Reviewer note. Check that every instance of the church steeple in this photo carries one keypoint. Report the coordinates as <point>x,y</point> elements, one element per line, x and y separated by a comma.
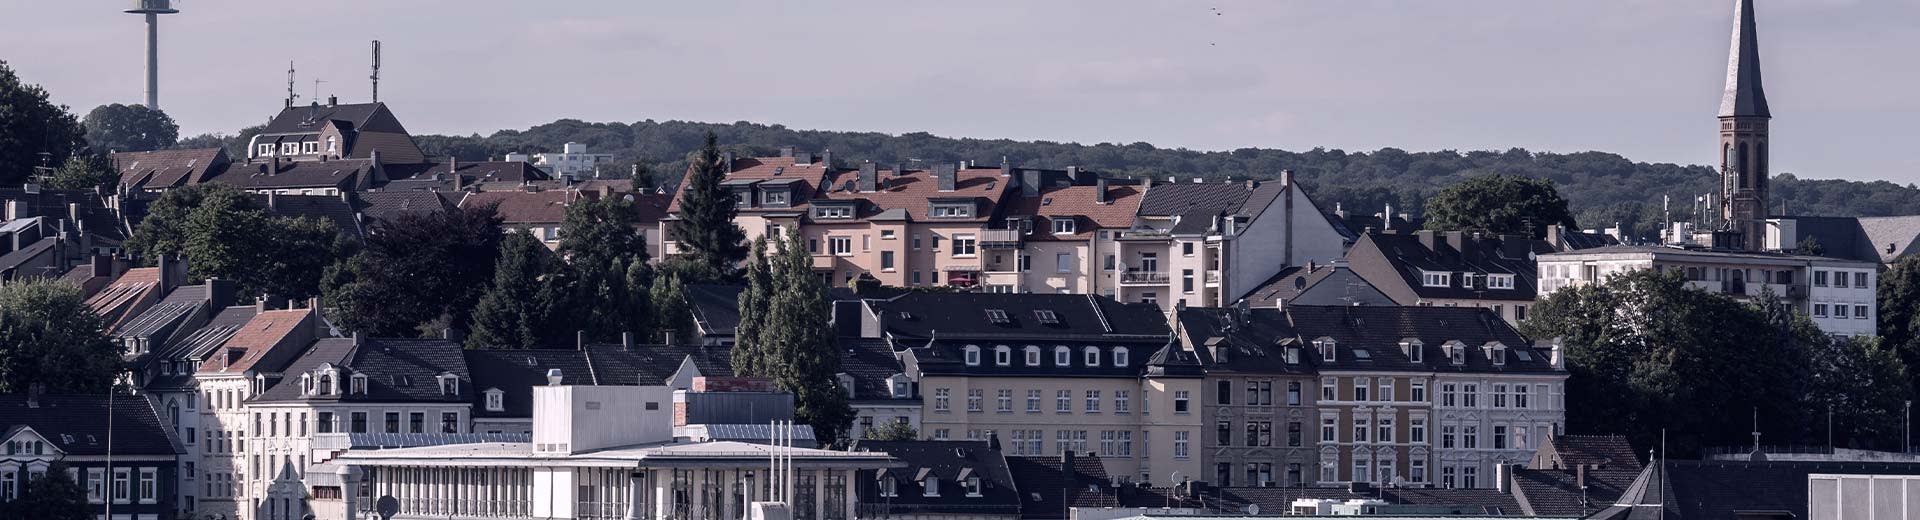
<point>1745,96</point>
<point>1744,118</point>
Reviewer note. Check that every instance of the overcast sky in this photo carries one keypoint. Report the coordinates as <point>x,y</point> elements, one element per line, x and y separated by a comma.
<point>1637,77</point>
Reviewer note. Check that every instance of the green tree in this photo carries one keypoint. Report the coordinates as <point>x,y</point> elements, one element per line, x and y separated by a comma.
<point>33,131</point>
<point>1500,204</point>
<point>129,128</point>
<point>83,172</point>
<point>603,289</point>
<point>514,310</point>
<point>416,269</point>
<point>52,496</point>
<point>49,335</point>
<point>673,314</point>
<point>1899,306</point>
<point>748,355</point>
<point>1645,353</point>
<point>222,234</point>
<point>798,351</point>
<point>1863,386</point>
<point>891,431</point>
<point>706,232</point>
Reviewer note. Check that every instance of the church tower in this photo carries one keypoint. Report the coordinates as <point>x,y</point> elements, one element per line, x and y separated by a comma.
<point>1743,135</point>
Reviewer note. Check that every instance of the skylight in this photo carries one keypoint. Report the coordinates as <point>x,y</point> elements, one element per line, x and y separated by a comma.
<point>1362,354</point>
<point>1523,355</point>
<point>1046,317</point>
<point>997,316</point>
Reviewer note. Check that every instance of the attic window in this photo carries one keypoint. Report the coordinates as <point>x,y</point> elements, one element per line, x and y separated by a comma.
<point>1432,279</point>
<point>401,380</point>
<point>973,486</point>
<point>1362,354</point>
<point>1002,355</point>
<point>449,384</point>
<point>889,487</point>
<point>951,211</point>
<point>359,384</point>
<point>1063,226</point>
<point>1499,281</point>
<point>973,355</point>
<point>1523,356</point>
<point>1046,317</point>
<point>1497,353</point>
<point>1457,351</point>
<point>832,212</point>
<point>998,317</point>
<point>931,485</point>
<point>1326,347</point>
<point>1120,356</point>
<point>1413,349</point>
<point>496,400</point>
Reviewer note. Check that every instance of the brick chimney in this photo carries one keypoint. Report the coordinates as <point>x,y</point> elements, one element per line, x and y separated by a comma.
<point>1100,195</point>
<point>946,174</point>
<point>869,177</point>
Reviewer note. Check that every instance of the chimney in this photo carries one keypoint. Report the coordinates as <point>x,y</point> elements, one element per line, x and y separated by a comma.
<point>167,279</point>
<point>1100,195</point>
<point>1006,170</point>
<point>102,266</point>
<point>786,151</point>
<point>1286,177</point>
<point>1503,477</point>
<point>993,440</point>
<point>580,339</point>
<point>1073,174</point>
<point>259,304</point>
<point>1386,219</point>
<point>945,174</point>
<point>220,293</point>
<point>869,177</point>
<point>1030,183</point>
<point>1338,211</point>
<point>1553,236</point>
<point>1069,480</point>
<point>1458,239</point>
<point>1580,476</point>
<point>553,377</point>
<point>626,341</point>
<point>1430,239</point>
<point>1557,356</point>
<point>826,158</point>
<point>726,161</point>
<point>1514,247</point>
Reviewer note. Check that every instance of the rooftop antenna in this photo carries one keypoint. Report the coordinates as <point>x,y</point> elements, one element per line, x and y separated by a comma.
<point>376,71</point>
<point>152,9</point>
<point>316,89</point>
<point>291,95</point>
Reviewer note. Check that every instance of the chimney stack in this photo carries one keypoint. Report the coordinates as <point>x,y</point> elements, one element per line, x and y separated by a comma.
<point>726,161</point>
<point>1100,195</point>
<point>826,158</point>
<point>1030,182</point>
<point>626,341</point>
<point>786,151</point>
<point>580,339</point>
<point>946,175</point>
<point>869,177</point>
<point>1286,177</point>
<point>553,377</point>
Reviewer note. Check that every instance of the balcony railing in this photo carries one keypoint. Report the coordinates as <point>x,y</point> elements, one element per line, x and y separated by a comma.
<point>1136,277</point>
<point>1145,234</point>
<point>1213,277</point>
<point>1001,238</point>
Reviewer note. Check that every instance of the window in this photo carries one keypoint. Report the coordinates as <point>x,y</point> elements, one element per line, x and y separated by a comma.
<point>1418,391</point>
<point>1327,425</point>
<point>326,423</point>
<point>1521,393</point>
<point>1063,225</point>
<point>932,486</point>
<point>1126,443</point>
<point>149,479</point>
<point>780,198</point>
<point>1180,444</point>
<point>840,246</point>
<point>1360,430</point>
<point>964,246</point>
<point>309,148</point>
<point>1294,434</point>
<point>1359,389</point>
<point>940,400</point>
<point>122,485</point>
<point>1499,281</point>
<point>1186,249</point>
<point>1122,401</point>
<point>1002,355</point>
<point>974,398</point>
<point>359,422</point>
<point>449,422</point>
<point>1431,279</point>
<point>1819,310</point>
<point>1033,402</point>
<point>1180,401</point>
<point>359,384</point>
<point>1859,312</point>
<point>1093,401</point>
<point>1362,469</point>
<point>1417,430</point>
<point>828,212</point>
<point>972,355</point>
<point>333,144</point>
<point>289,148</point>
<point>886,261</point>
<point>1467,476</point>
<point>1092,356</point>
<point>1063,401</point>
<point>1004,401</point>
<point>1840,311</point>
<point>1223,433</point>
<point>1499,437</point>
<point>973,486</point>
<point>1448,437</point>
<point>496,400</point>
<point>1062,356</point>
<point>1033,356</point>
<point>1470,395</point>
<point>1063,262</point>
<point>1470,437</point>
<point>1326,389</point>
<point>1186,281</point>
<point>1417,470</point>
<point>1447,395</point>
<point>1819,278</point>
<point>96,485</point>
<point>1446,477</point>
<point>1519,313</point>
<point>889,487</point>
<point>1383,431</point>
<point>1223,392</point>
<point>1293,393</point>
<point>1860,280</point>
<point>1120,356</point>
<point>1499,395</point>
<point>951,211</point>
<point>1150,298</point>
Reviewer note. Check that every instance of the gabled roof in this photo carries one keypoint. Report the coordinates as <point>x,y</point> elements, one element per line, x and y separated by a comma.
<point>97,217</point>
<point>950,462</point>
<point>392,204</point>
<point>516,372</point>
<point>367,127</point>
<point>1597,451</point>
<point>528,207</point>
<point>1379,331</point>
<point>870,362</point>
<point>342,174</point>
<point>77,424</point>
<point>1891,237</point>
<point>1254,343</point>
<point>261,343</point>
<point>169,168</point>
<point>1316,285</point>
<point>1670,489</point>
<point>655,364</point>
<point>120,297</point>
<point>396,370</point>
<point>1050,485</point>
<point>1395,264</point>
<point>471,172</point>
<point>956,316</point>
<point>1202,200</point>
<point>1558,491</point>
<point>1079,203</point>
<point>337,209</point>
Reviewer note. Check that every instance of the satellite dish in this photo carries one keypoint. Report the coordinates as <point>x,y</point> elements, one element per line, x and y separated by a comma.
<point>1253,509</point>
<point>387,506</point>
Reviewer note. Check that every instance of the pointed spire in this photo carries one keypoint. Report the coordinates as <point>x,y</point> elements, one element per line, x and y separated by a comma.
<point>1744,96</point>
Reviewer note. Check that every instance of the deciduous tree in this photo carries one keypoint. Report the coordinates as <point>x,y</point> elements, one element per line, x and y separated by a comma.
<point>83,171</point>
<point>129,128</point>
<point>1499,204</point>
<point>223,234</point>
<point>513,312</point>
<point>48,335</point>
<point>33,131</point>
<point>415,269</point>
<point>52,496</point>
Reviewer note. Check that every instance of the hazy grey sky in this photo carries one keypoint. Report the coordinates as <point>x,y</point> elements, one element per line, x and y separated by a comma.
<point>1637,77</point>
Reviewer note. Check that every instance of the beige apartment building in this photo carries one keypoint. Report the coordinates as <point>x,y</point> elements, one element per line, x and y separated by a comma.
<point>1259,397</point>
<point>1051,373</point>
<point>1059,238</point>
<point>1211,243</point>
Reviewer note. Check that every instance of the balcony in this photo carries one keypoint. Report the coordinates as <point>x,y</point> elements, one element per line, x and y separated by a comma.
<point>1146,234</point>
<point>1000,238</point>
<point>1213,278</point>
<point>1138,277</point>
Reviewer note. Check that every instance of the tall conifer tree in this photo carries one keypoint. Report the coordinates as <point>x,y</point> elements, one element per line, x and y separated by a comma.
<point>707,234</point>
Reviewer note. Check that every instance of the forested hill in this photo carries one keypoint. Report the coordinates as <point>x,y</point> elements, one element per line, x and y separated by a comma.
<point>1602,187</point>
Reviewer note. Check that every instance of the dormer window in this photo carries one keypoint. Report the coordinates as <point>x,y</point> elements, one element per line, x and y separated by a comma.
<point>998,317</point>
<point>846,383</point>
<point>1093,356</point>
<point>832,212</point>
<point>950,210</point>
<point>973,355</point>
<point>1499,281</point>
<point>1327,349</point>
<point>449,384</point>
<point>1456,352</point>
<point>289,148</point>
<point>1413,349</point>
<point>901,386</point>
<point>1120,356</point>
<point>1063,226</point>
<point>889,487</point>
<point>1002,355</point>
<point>496,400</point>
<point>1033,356</point>
<point>325,386</point>
<point>359,384</point>
<point>973,486</point>
<point>931,486</point>
<point>266,150</point>
<point>775,198</point>
<point>1433,279</point>
<point>1062,356</point>
<point>309,148</point>
<point>742,199</point>
<point>1497,352</point>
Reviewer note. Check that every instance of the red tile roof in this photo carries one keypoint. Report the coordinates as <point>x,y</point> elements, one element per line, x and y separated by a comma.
<point>113,301</point>
<point>167,168</point>
<point>255,340</point>
<point>910,192</point>
<point>1076,201</point>
<point>527,207</point>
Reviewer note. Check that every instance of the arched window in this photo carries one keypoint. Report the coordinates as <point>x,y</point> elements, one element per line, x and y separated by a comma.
<point>1062,356</point>
<point>1740,164</point>
<point>973,355</point>
<point>1092,355</point>
<point>1033,356</point>
<point>1120,356</point>
<point>1002,355</point>
<point>326,383</point>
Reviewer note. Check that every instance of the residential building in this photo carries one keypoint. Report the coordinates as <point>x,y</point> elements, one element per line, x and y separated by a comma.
<point>1050,373</point>
<point>1575,475</point>
<point>1426,395</point>
<point>716,313</point>
<point>46,233</point>
<point>1766,490</point>
<point>377,206</point>
<point>129,468</point>
<point>1258,397</point>
<point>334,132</point>
<point>543,212</point>
<point>229,373</point>
<point>1451,269</point>
<point>612,448</point>
<point>453,175</point>
<point>136,290</point>
<point>1058,237</point>
<point>1839,294</point>
<point>877,386</point>
<point>166,379</point>
<point>1316,284</point>
<point>572,161</point>
<point>160,170</point>
<point>1205,244</point>
<point>1868,239</point>
<point>940,480</point>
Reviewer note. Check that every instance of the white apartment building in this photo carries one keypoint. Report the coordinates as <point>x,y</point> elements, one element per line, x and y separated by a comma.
<point>230,373</point>
<point>1208,244</point>
<point>573,160</point>
<point>1839,294</point>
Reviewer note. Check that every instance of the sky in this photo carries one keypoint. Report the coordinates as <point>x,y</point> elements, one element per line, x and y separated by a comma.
<point>1641,78</point>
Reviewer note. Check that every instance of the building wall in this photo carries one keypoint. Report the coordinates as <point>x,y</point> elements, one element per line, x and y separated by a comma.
<point>881,413</point>
<point>1238,449</point>
<point>1148,422</point>
<point>1487,413</point>
<point>1824,299</point>
<point>1174,442</point>
<point>223,446</point>
<point>186,427</point>
<point>1808,290</point>
<point>1403,457</point>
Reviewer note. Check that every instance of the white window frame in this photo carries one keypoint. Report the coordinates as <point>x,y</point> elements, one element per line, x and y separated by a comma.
<point>1500,281</point>
<point>1120,357</point>
<point>1091,355</point>
<point>1063,225</point>
<point>1436,279</point>
<point>1062,356</point>
<point>1033,355</point>
<point>840,246</point>
<point>972,355</point>
<point>1002,356</point>
<point>965,246</point>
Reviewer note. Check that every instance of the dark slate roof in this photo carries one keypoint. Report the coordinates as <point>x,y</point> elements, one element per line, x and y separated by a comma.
<point>269,174</point>
<point>397,370</point>
<point>716,308</point>
<point>516,372</point>
<point>1557,491</point>
<point>159,320</point>
<point>1278,499</point>
<point>1050,485</point>
<point>653,364</point>
<point>1320,285</point>
<point>391,204</point>
<point>1744,96</point>
<point>96,215</point>
<point>965,316</point>
<point>1600,451</point>
<point>365,117</point>
<point>168,168</point>
<point>1253,343</point>
<point>77,424</point>
<point>1200,201</point>
<point>1357,224</point>
<point>1577,240</point>
<point>870,362</point>
<point>1379,330</point>
<point>1394,263</point>
<point>331,208</point>
<point>1891,237</point>
<point>470,172</point>
<point>17,258</point>
<point>1716,489</point>
<point>948,461</point>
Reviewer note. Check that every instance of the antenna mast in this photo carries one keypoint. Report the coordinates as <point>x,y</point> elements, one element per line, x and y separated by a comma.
<point>291,95</point>
<point>376,71</point>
